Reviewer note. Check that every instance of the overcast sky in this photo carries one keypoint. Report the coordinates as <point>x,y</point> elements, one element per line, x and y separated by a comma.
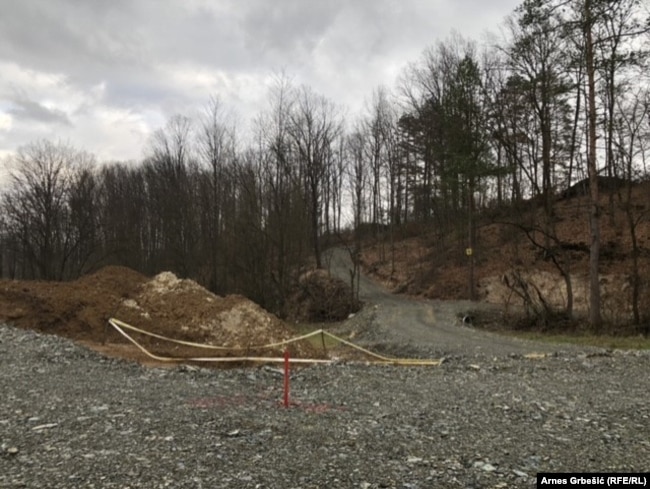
<point>103,74</point>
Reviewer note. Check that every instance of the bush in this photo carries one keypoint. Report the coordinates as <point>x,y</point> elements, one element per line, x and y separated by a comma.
<point>320,297</point>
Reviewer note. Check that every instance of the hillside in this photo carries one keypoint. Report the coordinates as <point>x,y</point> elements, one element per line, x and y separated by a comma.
<point>508,266</point>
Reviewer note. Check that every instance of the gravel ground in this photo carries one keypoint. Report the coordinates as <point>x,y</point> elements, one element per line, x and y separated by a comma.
<point>71,418</point>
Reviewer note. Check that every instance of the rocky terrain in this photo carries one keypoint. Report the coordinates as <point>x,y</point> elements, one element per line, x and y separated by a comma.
<point>72,418</point>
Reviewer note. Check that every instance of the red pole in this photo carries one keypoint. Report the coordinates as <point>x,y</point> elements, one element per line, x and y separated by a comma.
<point>286,378</point>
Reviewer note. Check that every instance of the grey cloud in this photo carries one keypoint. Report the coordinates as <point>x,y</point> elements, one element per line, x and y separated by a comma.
<point>91,39</point>
<point>82,38</point>
<point>287,28</point>
<point>123,43</point>
<point>25,109</point>
<point>342,48</point>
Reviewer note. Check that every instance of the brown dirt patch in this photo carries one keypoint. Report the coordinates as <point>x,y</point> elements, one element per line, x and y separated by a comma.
<point>164,304</point>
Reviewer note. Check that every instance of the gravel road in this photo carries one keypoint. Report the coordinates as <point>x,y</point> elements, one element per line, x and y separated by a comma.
<point>435,326</point>
<point>488,417</point>
<point>71,418</point>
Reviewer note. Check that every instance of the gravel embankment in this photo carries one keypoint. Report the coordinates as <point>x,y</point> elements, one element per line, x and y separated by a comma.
<point>71,418</point>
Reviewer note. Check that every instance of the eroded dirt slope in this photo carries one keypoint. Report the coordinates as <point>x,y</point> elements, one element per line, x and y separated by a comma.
<point>428,264</point>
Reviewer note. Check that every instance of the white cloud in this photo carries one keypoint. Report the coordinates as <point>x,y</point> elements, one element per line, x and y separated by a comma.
<point>48,105</point>
<point>113,134</point>
<point>6,121</point>
<point>17,78</point>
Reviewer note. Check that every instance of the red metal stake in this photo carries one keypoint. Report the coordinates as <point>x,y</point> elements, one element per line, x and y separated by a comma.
<point>286,378</point>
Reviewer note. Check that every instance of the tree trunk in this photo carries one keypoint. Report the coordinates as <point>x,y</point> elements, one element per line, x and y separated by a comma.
<point>594,215</point>
<point>471,239</point>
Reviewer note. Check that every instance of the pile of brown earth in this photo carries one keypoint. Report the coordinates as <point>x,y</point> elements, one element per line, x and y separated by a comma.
<point>164,304</point>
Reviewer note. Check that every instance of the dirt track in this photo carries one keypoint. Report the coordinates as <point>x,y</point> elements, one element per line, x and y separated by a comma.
<point>435,325</point>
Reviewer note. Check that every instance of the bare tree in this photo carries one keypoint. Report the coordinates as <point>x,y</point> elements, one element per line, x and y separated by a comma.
<point>315,126</point>
<point>605,35</point>
<point>357,182</point>
<point>83,227</point>
<point>169,173</point>
<point>216,146</point>
<point>282,189</point>
<point>595,318</point>
<point>128,234</point>
<point>631,133</point>
<point>536,56</point>
<point>42,206</point>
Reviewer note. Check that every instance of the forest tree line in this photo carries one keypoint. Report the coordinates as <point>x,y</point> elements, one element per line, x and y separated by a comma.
<point>561,96</point>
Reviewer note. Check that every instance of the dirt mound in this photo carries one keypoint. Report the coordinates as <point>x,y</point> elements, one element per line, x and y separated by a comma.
<point>320,297</point>
<point>77,309</point>
<point>165,305</point>
<point>182,309</point>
